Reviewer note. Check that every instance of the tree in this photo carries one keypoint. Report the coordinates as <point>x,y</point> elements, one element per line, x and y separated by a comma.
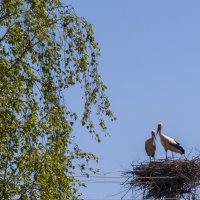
<point>45,49</point>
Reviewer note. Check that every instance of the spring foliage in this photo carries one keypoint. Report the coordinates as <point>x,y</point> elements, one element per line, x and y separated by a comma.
<point>45,49</point>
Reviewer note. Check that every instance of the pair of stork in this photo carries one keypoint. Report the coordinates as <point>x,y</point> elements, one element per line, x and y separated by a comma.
<point>167,142</point>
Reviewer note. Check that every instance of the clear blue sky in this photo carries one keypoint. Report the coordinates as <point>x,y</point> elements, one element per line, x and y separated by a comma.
<point>151,63</point>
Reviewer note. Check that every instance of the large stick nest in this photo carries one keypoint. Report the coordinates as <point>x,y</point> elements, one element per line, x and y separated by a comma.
<point>164,179</point>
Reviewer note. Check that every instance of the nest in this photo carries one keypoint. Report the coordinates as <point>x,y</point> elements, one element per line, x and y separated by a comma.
<point>164,179</point>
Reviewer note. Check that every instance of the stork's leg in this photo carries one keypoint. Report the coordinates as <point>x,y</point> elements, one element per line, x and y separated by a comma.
<point>166,155</point>
<point>173,155</point>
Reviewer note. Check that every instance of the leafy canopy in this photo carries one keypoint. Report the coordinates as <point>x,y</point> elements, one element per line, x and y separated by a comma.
<point>45,49</point>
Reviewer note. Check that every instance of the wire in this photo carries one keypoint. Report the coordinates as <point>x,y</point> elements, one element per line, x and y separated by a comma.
<point>101,177</point>
<point>115,199</point>
<point>94,181</point>
<point>119,182</point>
<point>123,199</point>
<point>123,177</point>
<point>112,179</point>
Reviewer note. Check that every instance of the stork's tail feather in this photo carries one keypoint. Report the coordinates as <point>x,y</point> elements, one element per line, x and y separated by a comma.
<point>182,150</point>
<point>177,146</point>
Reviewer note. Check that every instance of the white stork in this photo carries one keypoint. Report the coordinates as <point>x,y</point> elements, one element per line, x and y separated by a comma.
<point>169,143</point>
<point>150,145</point>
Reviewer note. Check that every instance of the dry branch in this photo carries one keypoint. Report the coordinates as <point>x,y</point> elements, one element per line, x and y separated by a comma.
<point>164,179</point>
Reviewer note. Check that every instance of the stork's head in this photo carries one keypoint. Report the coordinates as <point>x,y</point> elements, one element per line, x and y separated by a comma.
<point>160,125</point>
<point>153,134</point>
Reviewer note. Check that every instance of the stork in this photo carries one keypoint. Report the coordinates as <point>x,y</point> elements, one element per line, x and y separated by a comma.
<point>150,145</point>
<point>169,143</point>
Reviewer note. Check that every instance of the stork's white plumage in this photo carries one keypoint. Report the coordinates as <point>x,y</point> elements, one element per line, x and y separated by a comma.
<point>150,145</point>
<point>169,143</point>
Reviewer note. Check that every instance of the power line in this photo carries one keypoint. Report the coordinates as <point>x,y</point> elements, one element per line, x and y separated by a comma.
<point>94,181</point>
<point>122,199</point>
<point>115,199</point>
<point>112,179</point>
<point>119,182</point>
<point>101,177</point>
<point>123,177</point>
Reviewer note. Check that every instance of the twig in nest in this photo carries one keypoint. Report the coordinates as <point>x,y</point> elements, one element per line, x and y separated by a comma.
<point>164,179</point>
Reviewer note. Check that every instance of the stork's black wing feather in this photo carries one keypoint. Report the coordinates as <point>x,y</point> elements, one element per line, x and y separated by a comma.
<point>177,142</point>
<point>177,146</point>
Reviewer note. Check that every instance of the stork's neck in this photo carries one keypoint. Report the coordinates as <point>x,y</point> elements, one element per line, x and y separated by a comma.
<point>160,132</point>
